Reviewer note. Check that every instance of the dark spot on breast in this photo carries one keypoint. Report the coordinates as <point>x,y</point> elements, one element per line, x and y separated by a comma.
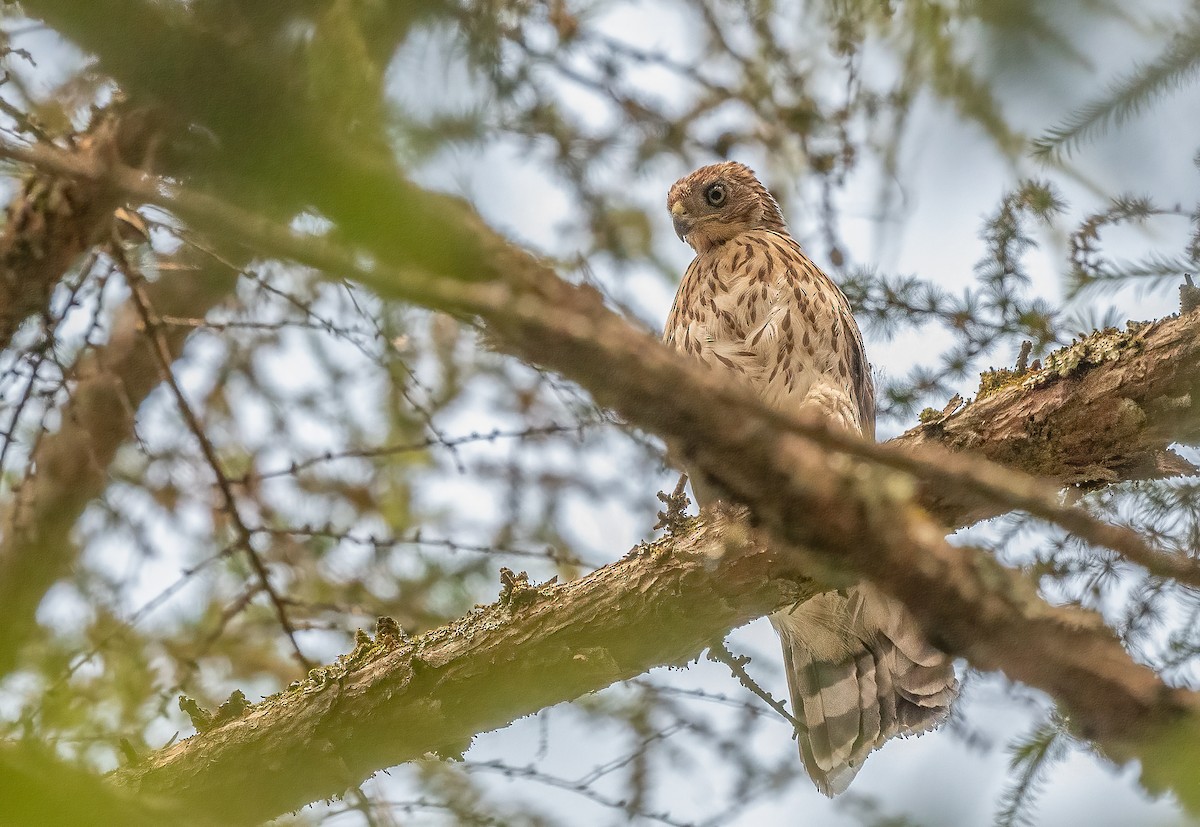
<point>858,370</point>
<point>727,362</point>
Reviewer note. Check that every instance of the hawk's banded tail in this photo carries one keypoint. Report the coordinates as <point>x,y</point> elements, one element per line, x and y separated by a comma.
<point>860,672</point>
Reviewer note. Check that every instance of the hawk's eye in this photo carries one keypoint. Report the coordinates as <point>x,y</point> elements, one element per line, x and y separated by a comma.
<point>715,195</point>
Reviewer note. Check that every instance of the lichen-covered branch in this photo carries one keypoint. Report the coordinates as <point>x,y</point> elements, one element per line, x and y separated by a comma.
<point>395,699</point>
<point>1104,409</point>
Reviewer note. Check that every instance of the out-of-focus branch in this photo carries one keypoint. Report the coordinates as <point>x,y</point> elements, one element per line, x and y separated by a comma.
<point>36,789</point>
<point>53,220</point>
<point>161,348</point>
<point>71,464</point>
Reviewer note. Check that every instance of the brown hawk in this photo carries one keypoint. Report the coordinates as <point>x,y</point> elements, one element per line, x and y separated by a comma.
<point>858,667</point>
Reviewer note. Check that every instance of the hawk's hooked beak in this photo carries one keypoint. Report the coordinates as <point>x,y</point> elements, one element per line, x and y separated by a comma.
<point>682,221</point>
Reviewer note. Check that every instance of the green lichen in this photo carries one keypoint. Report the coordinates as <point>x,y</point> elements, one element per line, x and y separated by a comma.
<point>1102,346</point>
<point>319,678</point>
<point>994,380</point>
<point>517,592</point>
<point>389,634</point>
<point>201,717</point>
<point>929,415</point>
<point>235,707</point>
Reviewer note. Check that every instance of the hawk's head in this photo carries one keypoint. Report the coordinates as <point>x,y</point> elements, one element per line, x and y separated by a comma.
<point>719,202</point>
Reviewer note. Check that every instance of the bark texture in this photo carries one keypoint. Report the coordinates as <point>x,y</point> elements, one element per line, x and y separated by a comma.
<point>1106,408</point>
<point>395,699</point>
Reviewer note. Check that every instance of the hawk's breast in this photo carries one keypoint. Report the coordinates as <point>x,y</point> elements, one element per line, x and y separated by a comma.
<point>758,308</point>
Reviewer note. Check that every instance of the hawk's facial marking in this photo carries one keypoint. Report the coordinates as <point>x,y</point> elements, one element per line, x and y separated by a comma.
<point>717,203</point>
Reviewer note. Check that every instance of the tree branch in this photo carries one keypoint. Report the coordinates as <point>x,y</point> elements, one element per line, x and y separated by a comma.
<point>1106,408</point>
<point>52,220</point>
<point>37,789</point>
<point>838,511</point>
<point>396,699</point>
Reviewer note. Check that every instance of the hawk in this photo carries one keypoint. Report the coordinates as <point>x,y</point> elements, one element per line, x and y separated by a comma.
<point>753,305</point>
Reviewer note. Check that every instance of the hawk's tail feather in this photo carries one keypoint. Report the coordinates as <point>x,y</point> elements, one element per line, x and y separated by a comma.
<point>859,672</point>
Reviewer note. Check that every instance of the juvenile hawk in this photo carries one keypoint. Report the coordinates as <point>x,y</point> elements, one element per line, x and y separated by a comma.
<point>751,303</point>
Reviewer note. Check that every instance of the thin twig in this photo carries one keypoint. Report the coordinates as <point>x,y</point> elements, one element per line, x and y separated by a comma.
<point>151,322</point>
<point>737,665</point>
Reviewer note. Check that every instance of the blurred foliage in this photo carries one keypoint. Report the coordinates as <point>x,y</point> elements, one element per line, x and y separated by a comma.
<point>377,461</point>
<point>1032,757</point>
